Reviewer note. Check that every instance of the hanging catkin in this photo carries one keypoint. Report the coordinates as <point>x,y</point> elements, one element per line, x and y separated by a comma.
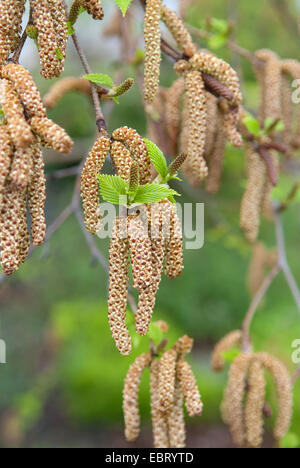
<point>122,160</point>
<point>9,236</point>
<point>24,85</point>
<point>22,166</point>
<point>24,238</point>
<point>89,183</point>
<point>179,31</point>
<point>173,246</point>
<point>216,159</point>
<point>159,420</point>
<point>261,259</point>
<point>152,48</point>
<point>172,112</point>
<point>37,197</point>
<point>130,396</point>
<point>212,125</point>
<point>138,149</point>
<point>14,113</point>
<point>94,8</point>
<point>10,26</point>
<point>287,110</point>
<point>229,341</point>
<point>254,194</point>
<point>196,98</point>
<point>235,395</point>
<point>118,287</point>
<point>292,68</point>
<point>167,375</point>
<point>271,89</point>
<point>140,250</point>
<point>189,388</point>
<point>51,135</point>
<point>175,419</point>
<point>59,19</point>
<point>255,400</point>
<point>47,40</point>
<point>64,86</point>
<point>284,389</point>
<point>6,152</point>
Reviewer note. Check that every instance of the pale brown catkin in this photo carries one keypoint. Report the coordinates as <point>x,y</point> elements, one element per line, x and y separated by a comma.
<point>22,166</point>
<point>287,109</point>
<point>26,89</point>
<point>187,169</point>
<point>189,388</point>
<point>89,183</point>
<point>175,420</point>
<point>183,346</point>
<point>216,159</point>
<point>292,68</point>
<point>14,113</point>
<point>174,247</point>
<point>138,149</point>
<point>179,31</point>
<point>59,18</point>
<point>64,86</point>
<point>130,396</point>
<point>212,125</point>
<point>173,112</point>
<point>229,341</point>
<point>159,420</point>
<point>10,26</point>
<point>24,238</point>
<point>152,37</point>
<point>6,153</point>
<point>271,88</point>
<point>94,8</point>
<point>37,197</point>
<point>167,375</point>
<point>255,400</point>
<point>118,287</point>
<point>234,396</point>
<point>253,197</point>
<point>284,388</point>
<point>47,39</point>
<point>196,98</point>
<point>51,135</point>
<point>9,235</point>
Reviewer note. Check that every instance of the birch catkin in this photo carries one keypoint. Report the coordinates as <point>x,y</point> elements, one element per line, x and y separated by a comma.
<point>159,420</point>
<point>10,26</point>
<point>59,19</point>
<point>216,158</point>
<point>51,135</point>
<point>37,197</point>
<point>172,112</point>
<point>179,31</point>
<point>284,390</point>
<point>189,388</point>
<point>173,247</point>
<point>234,397</point>
<point>94,8</point>
<point>152,48</point>
<point>64,86</point>
<point>89,183</point>
<point>225,344</point>
<point>24,238</point>
<point>122,160</point>
<point>255,401</point>
<point>118,287</point>
<point>253,196</point>
<point>271,84</point>
<point>14,113</point>
<point>9,238</point>
<point>140,249</point>
<point>130,396</point>
<point>22,166</point>
<point>167,375</point>
<point>175,419</point>
<point>6,153</point>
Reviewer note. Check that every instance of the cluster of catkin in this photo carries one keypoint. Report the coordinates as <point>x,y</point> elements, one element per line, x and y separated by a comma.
<point>150,238</point>
<point>171,381</point>
<point>23,130</point>
<point>244,399</point>
<point>262,260</point>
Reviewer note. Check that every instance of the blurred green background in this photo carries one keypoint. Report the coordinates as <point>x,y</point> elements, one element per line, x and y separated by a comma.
<point>62,384</point>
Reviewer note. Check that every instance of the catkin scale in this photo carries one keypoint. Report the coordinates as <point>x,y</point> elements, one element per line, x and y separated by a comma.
<point>118,287</point>
<point>130,396</point>
<point>152,37</point>
<point>89,183</point>
<point>255,401</point>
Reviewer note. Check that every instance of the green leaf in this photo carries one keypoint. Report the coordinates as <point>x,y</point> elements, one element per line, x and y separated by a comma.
<point>152,193</point>
<point>157,158</point>
<point>290,441</point>
<point>59,54</point>
<point>217,41</point>
<point>113,188</point>
<point>219,25</point>
<point>123,5</point>
<point>155,333</point>
<point>252,125</point>
<point>231,355</point>
<point>100,79</point>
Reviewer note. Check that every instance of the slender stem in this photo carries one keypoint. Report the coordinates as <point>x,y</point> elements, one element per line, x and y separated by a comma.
<point>254,305</point>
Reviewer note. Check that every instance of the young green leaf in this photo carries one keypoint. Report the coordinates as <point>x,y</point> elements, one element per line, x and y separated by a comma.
<point>100,79</point>
<point>123,5</point>
<point>59,54</point>
<point>290,441</point>
<point>219,25</point>
<point>217,41</point>
<point>252,125</point>
<point>230,355</point>
<point>155,333</point>
<point>113,189</point>
<point>157,158</point>
<point>152,193</point>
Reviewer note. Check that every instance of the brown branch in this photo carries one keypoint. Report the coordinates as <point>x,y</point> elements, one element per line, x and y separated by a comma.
<point>216,88</point>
